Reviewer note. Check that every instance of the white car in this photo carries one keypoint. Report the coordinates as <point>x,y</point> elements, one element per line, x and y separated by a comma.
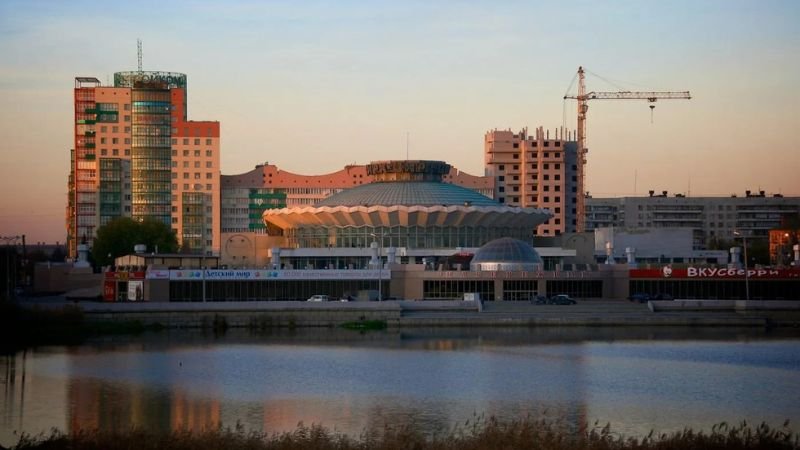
<point>318,298</point>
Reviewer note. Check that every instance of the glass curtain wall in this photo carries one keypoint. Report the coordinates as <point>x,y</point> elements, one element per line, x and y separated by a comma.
<point>151,155</point>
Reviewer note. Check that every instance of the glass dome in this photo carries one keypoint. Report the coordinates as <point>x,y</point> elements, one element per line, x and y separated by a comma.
<point>506,254</point>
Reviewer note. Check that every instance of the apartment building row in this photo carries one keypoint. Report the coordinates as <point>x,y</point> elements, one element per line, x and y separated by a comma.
<point>712,219</point>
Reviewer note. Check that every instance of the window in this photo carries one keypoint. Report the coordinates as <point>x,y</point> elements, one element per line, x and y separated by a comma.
<point>115,140</point>
<point>208,164</point>
<point>516,144</point>
<point>197,153</point>
<point>174,186</point>
<point>501,200</point>
<point>546,155</point>
<point>516,155</point>
<point>516,167</point>
<point>208,187</point>
<point>208,141</point>
<point>546,176</point>
<point>185,187</point>
<point>103,151</point>
<point>516,188</point>
<point>557,188</point>
<point>558,221</point>
<point>546,166</point>
<point>115,129</point>
<point>558,166</point>
<point>127,118</point>
<point>197,164</point>
<point>501,167</point>
<point>174,152</point>
<point>185,141</point>
<point>197,175</point>
<point>557,177</point>
<point>185,175</point>
<point>546,144</point>
<point>547,199</point>
<point>197,142</point>
<point>515,199</point>
<point>209,175</point>
<point>127,129</point>
<point>174,175</point>
<point>558,200</point>
<point>533,166</point>
<point>115,152</point>
<point>174,141</point>
<point>102,140</point>
<point>501,178</point>
<point>186,153</point>
<point>186,164</point>
<point>209,153</point>
<point>557,210</point>
<point>516,177</point>
<point>104,129</point>
<point>127,141</point>
<point>501,189</point>
<point>547,188</point>
<point>127,151</point>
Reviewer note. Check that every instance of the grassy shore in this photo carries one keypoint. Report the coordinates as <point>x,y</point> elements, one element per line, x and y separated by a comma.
<point>488,434</point>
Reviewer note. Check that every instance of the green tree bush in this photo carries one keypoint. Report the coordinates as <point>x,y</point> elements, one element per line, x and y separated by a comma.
<point>118,237</point>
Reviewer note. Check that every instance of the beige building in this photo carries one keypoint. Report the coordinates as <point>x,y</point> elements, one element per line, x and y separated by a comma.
<point>535,171</point>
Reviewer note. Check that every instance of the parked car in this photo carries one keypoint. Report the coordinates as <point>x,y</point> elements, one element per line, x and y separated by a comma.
<point>640,297</point>
<point>561,299</point>
<point>539,300</point>
<point>318,298</point>
<point>663,296</point>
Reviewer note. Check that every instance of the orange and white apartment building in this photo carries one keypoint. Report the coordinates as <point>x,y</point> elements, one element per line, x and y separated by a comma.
<point>136,155</point>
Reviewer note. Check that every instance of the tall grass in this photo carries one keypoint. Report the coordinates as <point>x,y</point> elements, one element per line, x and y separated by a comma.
<point>481,434</point>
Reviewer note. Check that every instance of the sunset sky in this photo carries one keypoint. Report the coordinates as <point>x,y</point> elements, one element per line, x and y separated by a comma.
<point>312,86</point>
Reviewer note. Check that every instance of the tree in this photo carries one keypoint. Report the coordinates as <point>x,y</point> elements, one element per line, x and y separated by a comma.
<point>118,237</point>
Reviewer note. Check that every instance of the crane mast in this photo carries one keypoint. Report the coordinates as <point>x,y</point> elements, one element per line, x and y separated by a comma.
<point>582,97</point>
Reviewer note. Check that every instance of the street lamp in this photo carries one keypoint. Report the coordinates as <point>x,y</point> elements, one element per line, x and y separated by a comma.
<point>746,274</point>
<point>8,240</point>
<point>380,264</point>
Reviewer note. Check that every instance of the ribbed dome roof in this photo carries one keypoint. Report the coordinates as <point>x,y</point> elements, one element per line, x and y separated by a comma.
<point>408,193</point>
<point>504,252</point>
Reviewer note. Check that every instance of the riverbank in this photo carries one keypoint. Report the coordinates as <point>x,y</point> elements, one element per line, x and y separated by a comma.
<point>61,322</point>
<point>480,434</point>
<point>410,314</point>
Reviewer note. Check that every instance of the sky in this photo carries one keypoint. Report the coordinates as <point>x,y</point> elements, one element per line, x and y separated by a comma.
<point>312,86</point>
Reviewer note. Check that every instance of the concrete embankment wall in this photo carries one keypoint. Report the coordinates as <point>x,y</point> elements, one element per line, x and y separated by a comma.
<point>257,314</point>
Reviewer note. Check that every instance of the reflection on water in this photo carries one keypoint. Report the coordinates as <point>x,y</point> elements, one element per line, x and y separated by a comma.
<point>636,379</point>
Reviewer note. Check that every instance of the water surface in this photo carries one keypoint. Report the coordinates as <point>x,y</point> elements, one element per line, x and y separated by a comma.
<point>636,379</point>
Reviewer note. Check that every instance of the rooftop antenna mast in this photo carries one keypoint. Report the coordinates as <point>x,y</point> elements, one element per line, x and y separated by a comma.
<point>139,53</point>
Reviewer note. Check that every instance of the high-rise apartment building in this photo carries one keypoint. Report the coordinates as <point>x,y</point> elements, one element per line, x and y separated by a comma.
<point>136,155</point>
<point>535,171</point>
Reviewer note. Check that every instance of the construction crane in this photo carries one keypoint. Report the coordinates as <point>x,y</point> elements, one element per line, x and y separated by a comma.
<point>584,97</point>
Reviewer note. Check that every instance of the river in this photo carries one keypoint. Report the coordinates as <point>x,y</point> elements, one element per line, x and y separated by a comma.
<point>636,379</point>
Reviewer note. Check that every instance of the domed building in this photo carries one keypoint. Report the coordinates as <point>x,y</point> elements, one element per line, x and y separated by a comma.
<point>506,254</point>
<point>408,208</point>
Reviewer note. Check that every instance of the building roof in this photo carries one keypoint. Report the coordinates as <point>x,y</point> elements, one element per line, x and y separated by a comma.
<point>507,250</point>
<point>408,193</point>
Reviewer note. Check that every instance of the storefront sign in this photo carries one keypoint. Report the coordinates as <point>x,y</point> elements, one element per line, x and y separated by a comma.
<point>156,274</point>
<point>668,272</point>
<point>220,275</point>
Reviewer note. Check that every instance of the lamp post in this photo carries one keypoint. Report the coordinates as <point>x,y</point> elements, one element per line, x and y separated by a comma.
<point>8,240</point>
<point>746,272</point>
<point>380,264</point>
